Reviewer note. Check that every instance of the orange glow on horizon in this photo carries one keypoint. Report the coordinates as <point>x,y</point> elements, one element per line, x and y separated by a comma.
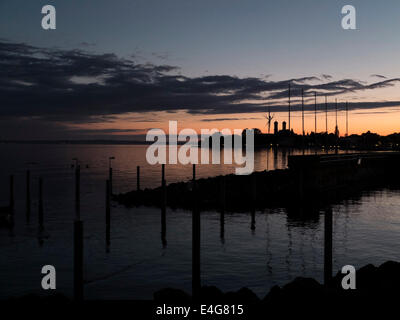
<point>383,121</point>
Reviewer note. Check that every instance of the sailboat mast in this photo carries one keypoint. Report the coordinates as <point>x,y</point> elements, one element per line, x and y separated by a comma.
<point>336,111</point>
<point>302,109</point>
<point>347,120</point>
<point>289,107</point>
<point>326,115</point>
<point>315,113</point>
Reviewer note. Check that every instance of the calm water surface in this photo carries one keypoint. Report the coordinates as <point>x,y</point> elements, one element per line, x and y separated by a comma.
<point>366,230</point>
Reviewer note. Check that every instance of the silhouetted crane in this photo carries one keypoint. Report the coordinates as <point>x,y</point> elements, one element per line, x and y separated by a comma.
<point>269,120</point>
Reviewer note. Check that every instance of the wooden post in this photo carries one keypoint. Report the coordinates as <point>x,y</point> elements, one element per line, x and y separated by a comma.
<point>163,227</point>
<point>77,192</point>
<point>222,214</point>
<point>78,240</point>
<point>40,215</point>
<point>163,186</point>
<point>11,206</point>
<point>78,260</point>
<point>328,246</point>
<point>110,177</point>
<point>108,213</point>
<point>254,189</point>
<point>163,207</point>
<point>196,279</point>
<point>253,220</point>
<point>138,178</point>
<point>28,195</point>
<point>12,194</point>
<point>163,174</point>
<point>253,206</point>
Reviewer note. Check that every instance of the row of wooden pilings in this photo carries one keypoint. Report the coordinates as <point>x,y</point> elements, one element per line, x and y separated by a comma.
<point>196,234</point>
<point>78,231</point>
<point>196,226</point>
<point>11,207</point>
<point>78,223</point>
<point>78,227</point>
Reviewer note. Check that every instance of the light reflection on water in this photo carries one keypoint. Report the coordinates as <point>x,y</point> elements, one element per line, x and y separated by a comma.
<point>366,230</point>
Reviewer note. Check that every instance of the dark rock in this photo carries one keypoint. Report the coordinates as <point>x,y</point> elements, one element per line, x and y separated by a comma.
<point>243,296</point>
<point>366,278</point>
<point>388,276</point>
<point>211,294</point>
<point>273,295</point>
<point>302,285</point>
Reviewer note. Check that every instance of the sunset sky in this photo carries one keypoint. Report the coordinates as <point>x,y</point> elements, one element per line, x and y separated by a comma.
<point>115,69</point>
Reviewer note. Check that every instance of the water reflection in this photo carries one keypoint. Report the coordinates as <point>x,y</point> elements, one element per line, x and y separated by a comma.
<point>253,221</point>
<point>222,226</point>
<point>164,227</point>
<point>268,246</point>
<point>284,245</point>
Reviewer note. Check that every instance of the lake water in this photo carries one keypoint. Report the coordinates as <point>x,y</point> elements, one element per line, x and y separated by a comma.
<point>366,230</point>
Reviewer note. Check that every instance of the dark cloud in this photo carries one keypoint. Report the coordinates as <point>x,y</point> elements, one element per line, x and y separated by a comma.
<point>307,107</point>
<point>228,119</point>
<point>378,76</point>
<point>108,131</point>
<point>326,76</point>
<point>64,86</point>
<point>36,129</point>
<point>371,112</point>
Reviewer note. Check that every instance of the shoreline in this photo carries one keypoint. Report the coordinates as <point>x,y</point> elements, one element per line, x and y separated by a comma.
<point>312,181</point>
<point>375,286</point>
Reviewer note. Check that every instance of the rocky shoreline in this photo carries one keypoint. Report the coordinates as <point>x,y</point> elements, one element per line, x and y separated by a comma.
<point>371,281</point>
<point>310,182</point>
<point>376,288</point>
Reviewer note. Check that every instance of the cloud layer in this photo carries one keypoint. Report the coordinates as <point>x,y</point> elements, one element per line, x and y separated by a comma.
<point>78,86</point>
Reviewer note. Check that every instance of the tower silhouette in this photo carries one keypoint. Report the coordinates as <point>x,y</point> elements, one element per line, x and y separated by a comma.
<point>326,115</point>
<point>315,111</point>
<point>347,120</point>
<point>289,106</point>
<point>336,127</point>
<point>302,110</point>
